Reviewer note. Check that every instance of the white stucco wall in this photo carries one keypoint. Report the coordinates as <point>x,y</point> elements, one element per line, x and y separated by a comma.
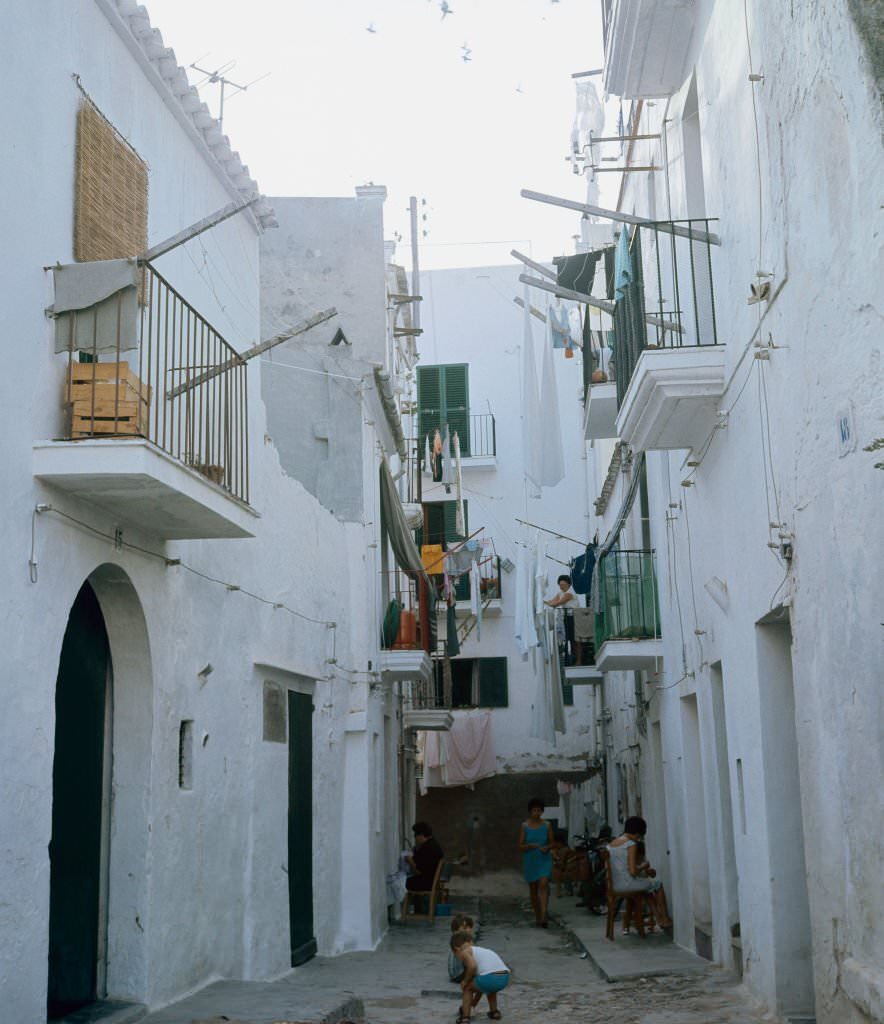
<point>468,316</point>
<point>778,460</point>
<point>196,881</point>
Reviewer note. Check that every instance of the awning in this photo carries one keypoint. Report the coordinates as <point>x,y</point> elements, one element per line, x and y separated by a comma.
<point>96,305</point>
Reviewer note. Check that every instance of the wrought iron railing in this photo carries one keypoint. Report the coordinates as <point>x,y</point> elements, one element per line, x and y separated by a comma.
<point>629,606</point>
<point>434,693</point>
<point>185,388</point>
<point>598,361</point>
<point>478,437</point>
<point>669,301</point>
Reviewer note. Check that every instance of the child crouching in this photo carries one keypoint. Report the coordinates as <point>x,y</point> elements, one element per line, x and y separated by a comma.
<point>459,923</point>
<point>485,974</point>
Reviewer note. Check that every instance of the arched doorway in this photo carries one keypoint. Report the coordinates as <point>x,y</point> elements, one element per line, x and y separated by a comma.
<point>80,785</point>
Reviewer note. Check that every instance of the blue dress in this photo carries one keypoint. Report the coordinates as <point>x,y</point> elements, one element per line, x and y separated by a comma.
<point>535,863</point>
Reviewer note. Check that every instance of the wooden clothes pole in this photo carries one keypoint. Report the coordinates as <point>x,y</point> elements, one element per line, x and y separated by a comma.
<point>544,529</point>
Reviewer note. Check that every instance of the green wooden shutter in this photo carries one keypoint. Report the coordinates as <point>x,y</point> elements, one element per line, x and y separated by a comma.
<point>456,404</point>
<point>429,401</point>
<point>462,587</point>
<point>443,397</point>
<point>567,694</point>
<point>493,689</point>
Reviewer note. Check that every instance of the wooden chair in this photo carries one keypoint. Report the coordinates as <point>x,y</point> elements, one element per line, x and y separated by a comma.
<point>433,898</point>
<point>634,902</point>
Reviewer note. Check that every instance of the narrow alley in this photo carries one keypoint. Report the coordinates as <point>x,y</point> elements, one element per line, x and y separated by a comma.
<point>405,981</point>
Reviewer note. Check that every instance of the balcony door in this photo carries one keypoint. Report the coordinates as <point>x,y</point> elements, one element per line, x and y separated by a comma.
<point>443,396</point>
<point>80,775</point>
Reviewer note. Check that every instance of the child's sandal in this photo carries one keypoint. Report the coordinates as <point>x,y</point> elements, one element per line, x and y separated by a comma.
<point>494,1015</point>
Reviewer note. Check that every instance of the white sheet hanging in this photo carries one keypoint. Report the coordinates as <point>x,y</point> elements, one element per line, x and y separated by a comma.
<point>552,452</point>
<point>531,412</point>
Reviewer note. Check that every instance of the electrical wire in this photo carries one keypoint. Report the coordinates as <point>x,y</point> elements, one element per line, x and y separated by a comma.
<point>177,562</point>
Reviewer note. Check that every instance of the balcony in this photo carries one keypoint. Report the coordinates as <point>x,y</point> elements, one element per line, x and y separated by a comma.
<point>405,631</point>
<point>156,420</point>
<point>667,361</point>
<point>627,633</point>
<point>647,44</point>
<point>599,393</point>
<point>490,583</point>
<point>478,443</point>
<point>577,662</point>
<point>427,702</point>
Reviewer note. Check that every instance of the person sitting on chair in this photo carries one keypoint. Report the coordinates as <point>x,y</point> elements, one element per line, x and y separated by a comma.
<point>424,858</point>
<point>630,873</point>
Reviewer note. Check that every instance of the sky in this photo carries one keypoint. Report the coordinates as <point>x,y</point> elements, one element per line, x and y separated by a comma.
<point>398,106</point>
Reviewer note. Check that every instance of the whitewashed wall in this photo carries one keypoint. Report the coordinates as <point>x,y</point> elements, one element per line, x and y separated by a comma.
<point>198,872</point>
<point>468,316</point>
<point>820,147</point>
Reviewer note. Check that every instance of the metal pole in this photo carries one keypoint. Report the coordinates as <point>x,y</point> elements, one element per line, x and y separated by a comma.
<point>415,267</point>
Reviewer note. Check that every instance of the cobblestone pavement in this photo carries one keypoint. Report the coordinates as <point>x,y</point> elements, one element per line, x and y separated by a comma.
<point>551,981</point>
<point>405,980</point>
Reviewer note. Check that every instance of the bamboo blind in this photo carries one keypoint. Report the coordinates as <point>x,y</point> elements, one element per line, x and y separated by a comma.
<point>110,208</point>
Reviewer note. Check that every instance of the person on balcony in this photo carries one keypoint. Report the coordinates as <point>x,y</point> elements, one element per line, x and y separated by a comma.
<point>566,601</point>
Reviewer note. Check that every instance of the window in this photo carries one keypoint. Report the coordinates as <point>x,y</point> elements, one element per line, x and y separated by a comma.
<point>110,207</point>
<point>185,754</point>
<point>479,682</point>
<point>443,398</point>
<point>567,693</point>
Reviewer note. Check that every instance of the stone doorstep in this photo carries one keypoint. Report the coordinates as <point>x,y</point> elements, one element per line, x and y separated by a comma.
<point>106,1011</point>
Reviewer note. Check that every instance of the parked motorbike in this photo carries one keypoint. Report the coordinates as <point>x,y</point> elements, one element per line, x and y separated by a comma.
<point>592,874</point>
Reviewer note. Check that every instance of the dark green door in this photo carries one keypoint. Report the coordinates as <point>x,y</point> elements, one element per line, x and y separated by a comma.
<point>303,942</point>
<point>75,847</point>
<point>443,398</point>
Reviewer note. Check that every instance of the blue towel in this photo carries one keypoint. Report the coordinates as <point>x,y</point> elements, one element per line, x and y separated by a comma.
<point>622,264</point>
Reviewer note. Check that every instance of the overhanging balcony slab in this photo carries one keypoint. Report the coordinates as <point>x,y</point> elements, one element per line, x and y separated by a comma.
<point>647,45</point>
<point>428,719</point>
<point>629,655</point>
<point>673,398</point>
<point>492,606</point>
<point>141,486</point>
<point>600,419</point>
<point>583,675</point>
<point>478,461</point>
<point>405,666</point>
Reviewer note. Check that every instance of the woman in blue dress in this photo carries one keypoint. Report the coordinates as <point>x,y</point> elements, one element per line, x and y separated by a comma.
<point>535,841</point>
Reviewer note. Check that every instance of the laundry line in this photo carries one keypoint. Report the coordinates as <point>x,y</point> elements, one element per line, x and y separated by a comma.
<point>555,533</point>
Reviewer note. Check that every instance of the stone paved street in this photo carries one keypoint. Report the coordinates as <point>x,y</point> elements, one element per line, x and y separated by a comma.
<point>405,981</point>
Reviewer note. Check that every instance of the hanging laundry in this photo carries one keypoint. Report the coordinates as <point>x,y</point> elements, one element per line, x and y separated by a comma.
<point>581,569</point>
<point>609,272</point>
<point>531,421</point>
<point>453,640</point>
<point>437,456</point>
<point>622,265</point>
<point>428,458</point>
<point>476,597</point>
<point>552,452</point>
<point>559,329</point>
<point>459,517</point>
<point>577,272</point>
<point>525,633</point>
<point>470,749</point>
<point>447,466</point>
<point>575,329</point>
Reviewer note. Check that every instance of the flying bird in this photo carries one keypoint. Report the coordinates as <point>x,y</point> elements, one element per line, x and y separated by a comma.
<point>445,9</point>
<point>467,53</point>
<point>371,29</point>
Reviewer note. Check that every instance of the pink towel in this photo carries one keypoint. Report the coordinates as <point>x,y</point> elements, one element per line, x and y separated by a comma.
<point>470,748</point>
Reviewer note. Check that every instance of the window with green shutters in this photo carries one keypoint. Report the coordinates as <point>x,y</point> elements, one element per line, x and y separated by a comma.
<point>479,682</point>
<point>443,398</point>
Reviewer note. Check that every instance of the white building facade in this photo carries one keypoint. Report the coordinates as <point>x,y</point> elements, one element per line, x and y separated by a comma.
<point>198,752</point>
<point>731,436</point>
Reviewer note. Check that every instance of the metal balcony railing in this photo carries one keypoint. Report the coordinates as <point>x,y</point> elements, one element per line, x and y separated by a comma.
<point>432,694</point>
<point>184,390</point>
<point>405,625</point>
<point>478,437</point>
<point>670,299</point>
<point>598,362</point>
<point>630,609</point>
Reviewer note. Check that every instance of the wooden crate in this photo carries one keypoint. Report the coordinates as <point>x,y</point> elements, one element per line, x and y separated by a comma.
<point>106,398</point>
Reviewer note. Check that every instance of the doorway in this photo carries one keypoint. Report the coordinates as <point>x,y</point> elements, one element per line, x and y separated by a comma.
<point>695,806</point>
<point>80,773</point>
<point>790,905</point>
<point>300,841</point>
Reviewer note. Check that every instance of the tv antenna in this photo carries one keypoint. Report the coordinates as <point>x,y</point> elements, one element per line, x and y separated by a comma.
<point>217,77</point>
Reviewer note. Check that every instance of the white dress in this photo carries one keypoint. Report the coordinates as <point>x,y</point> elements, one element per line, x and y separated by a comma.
<point>622,880</point>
